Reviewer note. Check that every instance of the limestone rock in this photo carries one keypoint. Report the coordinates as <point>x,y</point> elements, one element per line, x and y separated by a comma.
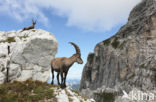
<point>67,95</point>
<point>126,60</point>
<point>31,53</point>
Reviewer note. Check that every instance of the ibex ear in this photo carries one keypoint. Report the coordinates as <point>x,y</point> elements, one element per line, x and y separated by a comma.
<point>33,21</point>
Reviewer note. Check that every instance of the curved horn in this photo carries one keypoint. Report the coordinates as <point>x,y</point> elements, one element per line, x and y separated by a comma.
<point>76,48</point>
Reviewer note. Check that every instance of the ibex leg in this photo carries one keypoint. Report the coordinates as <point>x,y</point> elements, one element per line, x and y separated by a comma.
<point>61,78</point>
<point>58,78</point>
<point>65,79</point>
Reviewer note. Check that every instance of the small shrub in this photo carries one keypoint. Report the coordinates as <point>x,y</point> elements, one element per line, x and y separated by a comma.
<point>106,42</point>
<point>10,39</point>
<point>115,43</point>
<point>25,36</point>
<point>108,97</point>
<point>142,66</point>
<point>70,99</point>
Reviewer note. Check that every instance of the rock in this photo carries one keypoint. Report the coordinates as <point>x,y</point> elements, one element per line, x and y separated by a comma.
<point>36,91</point>
<point>68,95</point>
<point>31,53</point>
<point>136,95</point>
<point>2,78</point>
<point>25,74</point>
<point>126,60</point>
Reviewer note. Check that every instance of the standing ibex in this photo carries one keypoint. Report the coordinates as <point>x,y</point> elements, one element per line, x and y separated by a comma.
<point>30,27</point>
<point>62,64</point>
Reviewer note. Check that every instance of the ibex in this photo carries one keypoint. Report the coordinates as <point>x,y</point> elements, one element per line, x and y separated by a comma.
<point>62,64</point>
<point>30,27</point>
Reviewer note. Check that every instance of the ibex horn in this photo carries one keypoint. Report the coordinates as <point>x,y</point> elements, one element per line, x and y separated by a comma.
<point>76,48</point>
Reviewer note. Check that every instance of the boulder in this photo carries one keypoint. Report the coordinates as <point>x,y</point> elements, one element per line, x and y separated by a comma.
<point>31,52</point>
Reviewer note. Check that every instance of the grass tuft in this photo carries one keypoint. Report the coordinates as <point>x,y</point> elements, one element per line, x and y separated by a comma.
<point>9,40</point>
<point>27,91</point>
<point>25,36</point>
<point>106,42</point>
<point>70,99</point>
<point>115,43</point>
<point>77,92</point>
<point>108,97</point>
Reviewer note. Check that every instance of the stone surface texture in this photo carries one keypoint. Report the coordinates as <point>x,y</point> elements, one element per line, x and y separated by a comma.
<point>126,61</point>
<point>31,53</point>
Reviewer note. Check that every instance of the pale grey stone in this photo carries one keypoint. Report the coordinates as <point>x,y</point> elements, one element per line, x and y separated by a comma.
<point>126,60</point>
<point>2,78</point>
<point>31,54</point>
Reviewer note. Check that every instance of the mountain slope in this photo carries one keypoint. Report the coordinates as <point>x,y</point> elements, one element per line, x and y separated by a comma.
<point>125,61</point>
<point>36,91</point>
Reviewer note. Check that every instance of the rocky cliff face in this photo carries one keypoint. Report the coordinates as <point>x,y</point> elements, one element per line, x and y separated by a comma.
<point>125,61</point>
<point>30,54</point>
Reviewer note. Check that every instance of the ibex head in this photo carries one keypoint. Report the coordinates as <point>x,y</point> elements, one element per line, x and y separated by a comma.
<point>78,53</point>
<point>33,22</point>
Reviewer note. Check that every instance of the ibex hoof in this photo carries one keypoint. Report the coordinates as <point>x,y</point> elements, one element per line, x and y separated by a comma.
<point>62,86</point>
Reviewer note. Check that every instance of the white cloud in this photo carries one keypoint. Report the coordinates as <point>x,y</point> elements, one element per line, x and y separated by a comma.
<point>97,15</point>
<point>21,10</point>
<point>94,14</point>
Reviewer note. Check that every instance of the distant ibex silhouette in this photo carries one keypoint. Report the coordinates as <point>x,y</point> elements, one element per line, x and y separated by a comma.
<point>30,27</point>
<point>62,64</point>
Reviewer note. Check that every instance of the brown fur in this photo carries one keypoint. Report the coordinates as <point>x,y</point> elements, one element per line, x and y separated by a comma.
<point>62,64</point>
<point>30,27</point>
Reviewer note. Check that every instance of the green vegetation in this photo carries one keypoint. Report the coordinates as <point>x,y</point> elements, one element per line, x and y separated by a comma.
<point>85,98</point>
<point>70,99</point>
<point>108,97</point>
<point>9,40</point>
<point>25,36</point>
<point>142,66</point>
<point>69,96</point>
<point>12,39</point>
<point>27,91</point>
<point>115,43</point>
<point>75,91</point>
<point>106,42</point>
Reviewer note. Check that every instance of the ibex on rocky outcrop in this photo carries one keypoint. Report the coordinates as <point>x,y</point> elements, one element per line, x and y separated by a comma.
<point>62,64</point>
<point>30,27</point>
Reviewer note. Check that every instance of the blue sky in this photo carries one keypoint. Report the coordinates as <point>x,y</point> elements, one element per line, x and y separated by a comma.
<point>85,22</point>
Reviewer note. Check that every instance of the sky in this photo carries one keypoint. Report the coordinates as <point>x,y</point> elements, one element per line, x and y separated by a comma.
<point>84,22</point>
